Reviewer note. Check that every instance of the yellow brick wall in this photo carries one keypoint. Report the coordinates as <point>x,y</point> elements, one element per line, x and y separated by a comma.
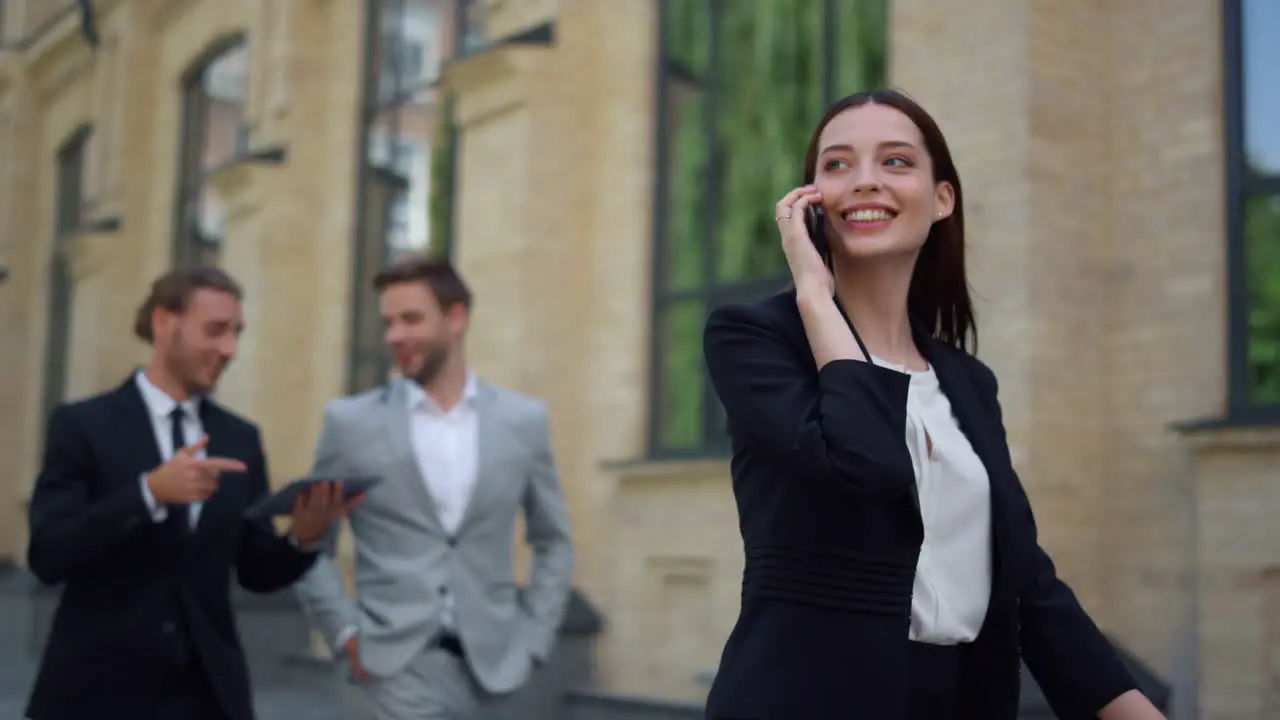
<point>1088,135</point>
<point>288,238</point>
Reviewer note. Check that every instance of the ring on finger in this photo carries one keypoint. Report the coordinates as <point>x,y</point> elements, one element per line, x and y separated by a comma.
<point>782,217</point>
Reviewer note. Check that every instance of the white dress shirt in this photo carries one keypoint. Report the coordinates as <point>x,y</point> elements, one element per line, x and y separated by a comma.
<point>159,406</point>
<point>953,575</point>
<point>446,447</point>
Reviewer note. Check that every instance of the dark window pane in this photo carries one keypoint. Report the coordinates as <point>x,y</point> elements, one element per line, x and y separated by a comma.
<point>68,202</point>
<point>370,369</point>
<point>687,214</point>
<point>411,43</point>
<point>1261,26</point>
<point>474,32</point>
<point>58,331</point>
<point>226,85</point>
<point>1262,267</point>
<point>743,82</point>
<point>407,179</point>
<point>681,376</point>
<point>213,134</point>
<point>688,149</point>
<point>404,141</point>
<point>769,92</point>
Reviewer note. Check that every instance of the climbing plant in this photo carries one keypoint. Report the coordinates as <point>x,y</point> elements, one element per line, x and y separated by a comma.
<point>1255,216</point>
<point>443,168</point>
<point>1262,267</point>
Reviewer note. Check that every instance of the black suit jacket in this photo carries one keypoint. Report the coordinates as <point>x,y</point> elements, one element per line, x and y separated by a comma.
<point>129,582</point>
<point>829,513</point>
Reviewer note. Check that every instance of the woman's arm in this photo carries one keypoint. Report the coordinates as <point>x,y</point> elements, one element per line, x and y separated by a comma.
<point>842,424</point>
<point>1073,662</point>
<point>828,332</point>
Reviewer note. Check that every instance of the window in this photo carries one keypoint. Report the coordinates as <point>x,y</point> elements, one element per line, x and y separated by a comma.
<point>68,208</point>
<point>411,57</point>
<point>472,31</point>
<point>406,175</point>
<point>213,134</point>
<point>1253,149</point>
<point>740,88</point>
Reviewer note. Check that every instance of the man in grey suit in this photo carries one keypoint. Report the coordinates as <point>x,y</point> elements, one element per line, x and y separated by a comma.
<point>438,628</point>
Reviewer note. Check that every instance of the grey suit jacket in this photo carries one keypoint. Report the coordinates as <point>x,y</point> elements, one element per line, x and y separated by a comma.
<point>404,556</point>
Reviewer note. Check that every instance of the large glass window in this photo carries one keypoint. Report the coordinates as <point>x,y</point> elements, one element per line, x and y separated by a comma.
<point>410,146</point>
<point>67,219</point>
<point>213,134</point>
<point>742,83</point>
<point>1253,100</point>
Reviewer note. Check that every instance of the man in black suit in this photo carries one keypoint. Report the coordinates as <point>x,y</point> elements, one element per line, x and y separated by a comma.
<point>138,513</point>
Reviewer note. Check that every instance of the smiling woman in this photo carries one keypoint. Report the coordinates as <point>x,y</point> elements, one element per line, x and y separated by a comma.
<point>893,568</point>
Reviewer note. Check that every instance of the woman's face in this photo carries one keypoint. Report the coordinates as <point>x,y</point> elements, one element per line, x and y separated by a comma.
<point>876,180</point>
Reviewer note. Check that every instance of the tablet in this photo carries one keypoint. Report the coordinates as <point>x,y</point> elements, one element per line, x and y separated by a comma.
<point>280,504</point>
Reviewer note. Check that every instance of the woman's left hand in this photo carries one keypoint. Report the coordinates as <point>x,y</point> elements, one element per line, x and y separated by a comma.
<point>1132,705</point>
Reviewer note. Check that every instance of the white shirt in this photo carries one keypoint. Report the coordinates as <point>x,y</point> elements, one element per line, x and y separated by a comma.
<point>446,446</point>
<point>953,575</point>
<point>159,406</point>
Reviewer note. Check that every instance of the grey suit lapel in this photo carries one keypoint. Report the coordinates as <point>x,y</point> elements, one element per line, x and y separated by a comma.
<point>396,416</point>
<point>489,431</point>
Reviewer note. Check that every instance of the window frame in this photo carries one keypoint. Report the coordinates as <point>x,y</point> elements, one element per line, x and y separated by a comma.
<point>70,162</point>
<point>710,291</point>
<point>1240,186</point>
<point>189,246</point>
<point>378,96</point>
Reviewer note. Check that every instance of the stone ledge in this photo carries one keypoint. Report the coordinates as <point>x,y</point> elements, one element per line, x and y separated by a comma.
<point>91,246</point>
<point>1227,435</point>
<point>634,703</point>
<point>239,180</point>
<point>642,470</point>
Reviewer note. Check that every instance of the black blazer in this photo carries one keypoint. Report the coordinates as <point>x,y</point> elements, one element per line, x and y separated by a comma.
<point>831,527</point>
<point>128,581</point>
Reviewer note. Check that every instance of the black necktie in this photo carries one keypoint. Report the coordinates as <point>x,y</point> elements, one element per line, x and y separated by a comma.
<point>178,517</point>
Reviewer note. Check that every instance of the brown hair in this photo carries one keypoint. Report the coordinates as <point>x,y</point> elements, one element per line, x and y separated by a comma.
<point>939,294</point>
<point>172,291</point>
<point>438,275</point>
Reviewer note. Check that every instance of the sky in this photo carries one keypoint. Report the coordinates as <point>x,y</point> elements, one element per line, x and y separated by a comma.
<point>1262,83</point>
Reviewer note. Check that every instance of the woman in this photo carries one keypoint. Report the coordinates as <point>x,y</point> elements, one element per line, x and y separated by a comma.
<point>892,567</point>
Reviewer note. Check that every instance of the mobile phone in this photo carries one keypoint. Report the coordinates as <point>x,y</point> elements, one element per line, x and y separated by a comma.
<point>815,221</point>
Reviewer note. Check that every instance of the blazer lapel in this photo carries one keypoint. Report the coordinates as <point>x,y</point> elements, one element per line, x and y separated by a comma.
<point>967,407</point>
<point>488,431</point>
<point>136,434</point>
<point>213,420</point>
<point>398,421</point>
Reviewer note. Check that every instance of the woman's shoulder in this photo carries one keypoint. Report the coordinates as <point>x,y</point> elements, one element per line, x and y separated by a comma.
<point>775,314</point>
<point>981,375</point>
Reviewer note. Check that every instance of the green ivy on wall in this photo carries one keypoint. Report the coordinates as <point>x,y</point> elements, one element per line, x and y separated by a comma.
<point>1262,269</point>
<point>744,82</point>
<point>443,173</point>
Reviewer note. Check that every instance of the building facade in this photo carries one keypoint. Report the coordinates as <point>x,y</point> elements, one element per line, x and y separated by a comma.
<point>603,172</point>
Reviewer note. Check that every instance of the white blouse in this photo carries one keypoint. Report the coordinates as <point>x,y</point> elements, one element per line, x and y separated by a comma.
<point>953,575</point>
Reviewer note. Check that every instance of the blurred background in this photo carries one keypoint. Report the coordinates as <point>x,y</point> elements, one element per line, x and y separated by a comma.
<point>604,171</point>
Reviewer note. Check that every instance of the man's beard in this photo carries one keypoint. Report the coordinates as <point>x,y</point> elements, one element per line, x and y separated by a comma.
<point>179,364</point>
<point>434,357</point>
